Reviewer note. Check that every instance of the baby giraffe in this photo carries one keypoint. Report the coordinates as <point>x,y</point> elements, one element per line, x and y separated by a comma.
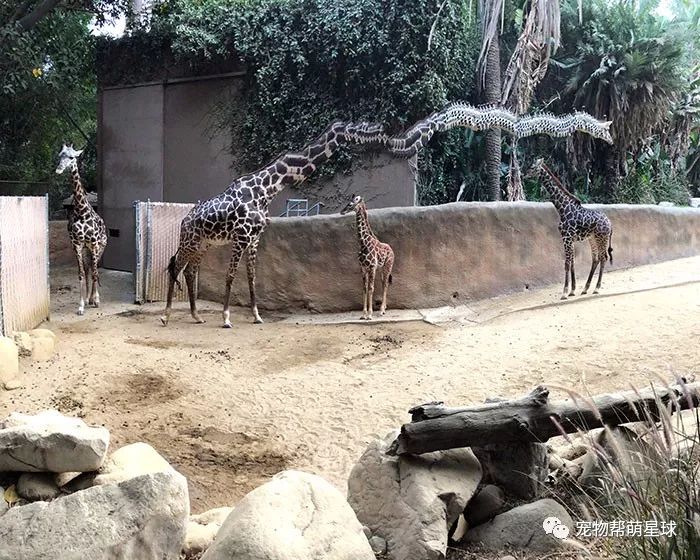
<point>576,223</point>
<point>373,255</point>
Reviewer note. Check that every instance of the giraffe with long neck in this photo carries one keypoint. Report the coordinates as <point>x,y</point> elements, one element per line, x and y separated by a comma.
<point>86,230</point>
<point>239,215</point>
<point>373,255</point>
<point>576,223</point>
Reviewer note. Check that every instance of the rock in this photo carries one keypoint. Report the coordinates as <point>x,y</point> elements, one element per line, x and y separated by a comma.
<point>9,360</point>
<point>295,516</point>
<point>507,557</point>
<point>666,203</point>
<point>3,504</point>
<point>140,518</point>
<point>522,527</point>
<point>126,462</point>
<point>24,343</point>
<point>13,384</point>
<point>202,530</point>
<point>412,501</point>
<point>521,469</point>
<point>43,344</point>
<point>130,461</point>
<point>35,487</point>
<point>485,505</point>
<point>695,202</point>
<point>460,529</point>
<point>378,544</point>
<point>49,441</point>
<point>571,451</point>
<point>625,449</point>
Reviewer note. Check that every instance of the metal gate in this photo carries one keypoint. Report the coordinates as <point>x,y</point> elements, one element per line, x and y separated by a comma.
<point>24,262</point>
<point>157,238</point>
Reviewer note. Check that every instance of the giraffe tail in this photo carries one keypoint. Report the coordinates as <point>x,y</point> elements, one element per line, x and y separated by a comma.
<point>173,272</point>
<point>610,249</point>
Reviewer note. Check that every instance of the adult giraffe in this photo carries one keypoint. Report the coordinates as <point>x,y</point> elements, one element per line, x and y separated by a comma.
<point>240,214</point>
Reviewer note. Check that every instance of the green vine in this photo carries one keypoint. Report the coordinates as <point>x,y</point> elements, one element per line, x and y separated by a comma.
<point>311,61</point>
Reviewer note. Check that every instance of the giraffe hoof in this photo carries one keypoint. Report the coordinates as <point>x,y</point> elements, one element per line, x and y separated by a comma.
<point>164,321</point>
<point>564,297</point>
<point>199,321</point>
<point>258,321</point>
<point>584,293</point>
<point>596,292</point>
<point>228,326</point>
<point>81,312</point>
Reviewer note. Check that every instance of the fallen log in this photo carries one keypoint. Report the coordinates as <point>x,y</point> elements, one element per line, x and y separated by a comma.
<point>534,418</point>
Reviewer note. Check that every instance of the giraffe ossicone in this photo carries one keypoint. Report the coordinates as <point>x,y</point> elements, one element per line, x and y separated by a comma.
<point>86,229</point>
<point>373,255</point>
<point>576,223</point>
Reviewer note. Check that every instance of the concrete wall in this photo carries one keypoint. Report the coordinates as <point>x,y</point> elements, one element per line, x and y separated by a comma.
<point>158,142</point>
<point>130,155</point>
<point>444,254</point>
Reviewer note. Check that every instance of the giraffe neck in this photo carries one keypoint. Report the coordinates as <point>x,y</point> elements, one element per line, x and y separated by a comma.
<point>560,197</point>
<point>80,199</point>
<point>294,167</point>
<point>364,231</point>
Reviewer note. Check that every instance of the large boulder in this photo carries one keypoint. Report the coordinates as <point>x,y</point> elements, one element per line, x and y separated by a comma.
<point>485,505</point>
<point>202,530</point>
<point>49,441</point>
<point>143,518</point>
<point>522,527</point>
<point>412,501</point>
<point>9,360</point>
<point>295,516</point>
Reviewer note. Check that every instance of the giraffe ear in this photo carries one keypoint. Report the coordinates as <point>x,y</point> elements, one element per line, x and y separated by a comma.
<point>606,125</point>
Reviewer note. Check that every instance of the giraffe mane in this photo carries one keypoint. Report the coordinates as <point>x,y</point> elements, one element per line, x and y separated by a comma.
<point>560,185</point>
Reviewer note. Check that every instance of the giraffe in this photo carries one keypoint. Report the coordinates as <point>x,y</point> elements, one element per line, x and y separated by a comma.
<point>86,229</point>
<point>576,223</point>
<point>239,215</point>
<point>373,255</point>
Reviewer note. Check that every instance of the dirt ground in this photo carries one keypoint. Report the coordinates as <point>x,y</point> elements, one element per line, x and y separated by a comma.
<point>230,408</point>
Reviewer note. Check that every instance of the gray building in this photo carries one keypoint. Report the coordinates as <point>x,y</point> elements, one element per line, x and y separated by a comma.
<point>155,141</point>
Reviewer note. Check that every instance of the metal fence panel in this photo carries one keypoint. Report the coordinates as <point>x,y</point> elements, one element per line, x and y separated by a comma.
<point>24,262</point>
<point>157,238</point>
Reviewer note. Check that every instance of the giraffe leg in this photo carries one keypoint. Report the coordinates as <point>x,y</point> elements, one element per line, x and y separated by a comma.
<point>176,266</point>
<point>252,257</point>
<point>370,291</point>
<point>568,260</point>
<point>94,292</point>
<point>232,268</point>
<point>573,278</point>
<point>386,274</point>
<point>190,276</point>
<point>365,278</point>
<point>78,248</point>
<point>600,275</point>
<point>594,265</point>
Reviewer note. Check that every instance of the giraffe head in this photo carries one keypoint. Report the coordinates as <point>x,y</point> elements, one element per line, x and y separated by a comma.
<point>536,168</point>
<point>67,156</point>
<point>590,125</point>
<point>352,205</point>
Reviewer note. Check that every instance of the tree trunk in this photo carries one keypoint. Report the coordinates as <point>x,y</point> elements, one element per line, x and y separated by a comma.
<point>492,94</point>
<point>532,418</point>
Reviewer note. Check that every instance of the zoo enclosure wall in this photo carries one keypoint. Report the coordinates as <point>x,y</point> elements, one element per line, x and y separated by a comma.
<point>445,255</point>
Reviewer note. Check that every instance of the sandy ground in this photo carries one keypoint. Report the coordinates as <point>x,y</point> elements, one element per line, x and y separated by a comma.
<point>230,408</point>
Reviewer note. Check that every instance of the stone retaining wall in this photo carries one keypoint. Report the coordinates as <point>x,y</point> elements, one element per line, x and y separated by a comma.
<point>445,255</point>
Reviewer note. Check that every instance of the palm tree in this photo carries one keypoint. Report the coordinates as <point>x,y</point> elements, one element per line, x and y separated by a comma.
<point>627,67</point>
<point>538,40</point>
